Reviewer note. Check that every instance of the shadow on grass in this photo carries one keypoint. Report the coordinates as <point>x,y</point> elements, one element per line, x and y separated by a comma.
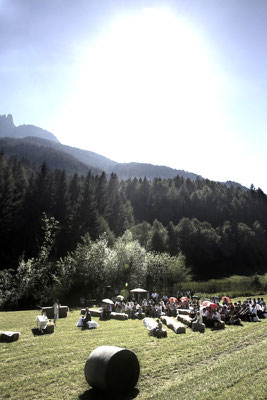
<point>94,394</point>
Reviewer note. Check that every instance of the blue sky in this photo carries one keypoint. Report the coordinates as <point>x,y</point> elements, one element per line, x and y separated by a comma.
<point>176,83</point>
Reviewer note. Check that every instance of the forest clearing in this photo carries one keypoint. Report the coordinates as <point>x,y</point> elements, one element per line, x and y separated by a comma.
<point>218,364</point>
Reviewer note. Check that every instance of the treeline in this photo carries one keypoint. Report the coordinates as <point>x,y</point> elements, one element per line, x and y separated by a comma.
<point>220,230</point>
<point>92,268</point>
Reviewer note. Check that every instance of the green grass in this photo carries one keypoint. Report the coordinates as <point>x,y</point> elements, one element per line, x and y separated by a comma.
<point>230,363</point>
<point>233,286</point>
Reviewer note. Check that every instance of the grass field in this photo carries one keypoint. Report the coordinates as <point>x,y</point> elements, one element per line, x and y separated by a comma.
<point>226,364</point>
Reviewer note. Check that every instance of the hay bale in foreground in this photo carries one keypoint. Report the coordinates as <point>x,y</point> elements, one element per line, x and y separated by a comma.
<point>119,316</point>
<point>112,369</point>
<point>63,311</point>
<point>9,336</point>
<point>173,324</point>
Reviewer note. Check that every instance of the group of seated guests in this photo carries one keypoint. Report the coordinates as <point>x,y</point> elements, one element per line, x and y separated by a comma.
<point>250,310</point>
<point>148,308</point>
<point>231,313</point>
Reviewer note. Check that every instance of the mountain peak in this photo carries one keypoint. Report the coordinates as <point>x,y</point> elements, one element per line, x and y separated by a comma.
<point>6,122</point>
<point>8,129</point>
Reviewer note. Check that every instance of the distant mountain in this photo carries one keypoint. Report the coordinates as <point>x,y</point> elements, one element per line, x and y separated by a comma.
<point>36,151</point>
<point>37,145</point>
<point>8,129</point>
<point>150,171</point>
<point>85,156</point>
<point>235,185</point>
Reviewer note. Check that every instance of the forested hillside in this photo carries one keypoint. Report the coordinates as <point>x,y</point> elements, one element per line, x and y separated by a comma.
<point>35,150</point>
<point>219,230</point>
<point>149,171</point>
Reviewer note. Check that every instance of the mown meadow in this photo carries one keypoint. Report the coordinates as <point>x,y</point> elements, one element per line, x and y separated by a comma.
<point>218,364</point>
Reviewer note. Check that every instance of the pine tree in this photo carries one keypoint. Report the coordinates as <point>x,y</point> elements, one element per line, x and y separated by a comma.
<point>87,214</point>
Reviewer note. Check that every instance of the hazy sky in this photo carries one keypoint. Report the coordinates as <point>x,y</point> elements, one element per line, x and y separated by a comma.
<point>178,83</point>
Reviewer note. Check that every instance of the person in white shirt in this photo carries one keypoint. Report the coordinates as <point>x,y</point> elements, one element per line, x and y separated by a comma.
<point>56,311</point>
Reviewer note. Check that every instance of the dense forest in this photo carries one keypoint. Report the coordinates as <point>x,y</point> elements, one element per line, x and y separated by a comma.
<point>217,230</point>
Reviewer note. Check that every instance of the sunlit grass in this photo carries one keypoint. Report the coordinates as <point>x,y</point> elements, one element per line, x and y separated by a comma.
<point>230,363</point>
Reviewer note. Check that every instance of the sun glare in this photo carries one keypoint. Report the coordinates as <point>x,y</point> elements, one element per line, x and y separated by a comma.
<point>149,76</point>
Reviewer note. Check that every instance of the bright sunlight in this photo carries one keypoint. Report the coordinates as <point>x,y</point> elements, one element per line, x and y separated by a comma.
<point>149,77</point>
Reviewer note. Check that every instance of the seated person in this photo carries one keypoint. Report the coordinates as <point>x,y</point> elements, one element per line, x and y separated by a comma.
<point>42,321</point>
<point>155,331</point>
<point>234,320</point>
<point>87,317</point>
<point>216,318</point>
<point>86,321</point>
<point>198,318</point>
<point>106,311</point>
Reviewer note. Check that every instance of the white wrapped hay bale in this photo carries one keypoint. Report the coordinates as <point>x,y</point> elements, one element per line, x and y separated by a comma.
<point>149,323</point>
<point>119,316</point>
<point>9,336</point>
<point>153,328</point>
<point>173,324</point>
<point>93,311</point>
<point>112,369</point>
<point>90,324</point>
<point>185,319</point>
<point>183,311</point>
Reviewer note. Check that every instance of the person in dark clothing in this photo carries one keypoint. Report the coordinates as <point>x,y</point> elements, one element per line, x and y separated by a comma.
<point>87,317</point>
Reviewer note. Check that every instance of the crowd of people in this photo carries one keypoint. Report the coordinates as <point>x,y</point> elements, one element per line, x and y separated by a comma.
<point>209,311</point>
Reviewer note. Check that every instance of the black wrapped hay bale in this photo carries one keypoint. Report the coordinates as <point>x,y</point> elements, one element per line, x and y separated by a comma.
<point>62,311</point>
<point>9,336</point>
<point>112,369</point>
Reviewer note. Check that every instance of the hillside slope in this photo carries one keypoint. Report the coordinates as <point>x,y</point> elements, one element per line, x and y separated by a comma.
<point>150,171</point>
<point>33,150</point>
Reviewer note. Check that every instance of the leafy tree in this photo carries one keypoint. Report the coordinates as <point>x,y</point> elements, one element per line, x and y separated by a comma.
<point>164,272</point>
<point>131,262</point>
<point>142,232</point>
<point>34,276</point>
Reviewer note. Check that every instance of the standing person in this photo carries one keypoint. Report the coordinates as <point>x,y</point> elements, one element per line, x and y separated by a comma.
<point>56,311</point>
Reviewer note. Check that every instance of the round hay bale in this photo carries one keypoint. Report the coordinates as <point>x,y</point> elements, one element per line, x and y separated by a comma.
<point>112,369</point>
<point>63,311</point>
<point>49,312</point>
